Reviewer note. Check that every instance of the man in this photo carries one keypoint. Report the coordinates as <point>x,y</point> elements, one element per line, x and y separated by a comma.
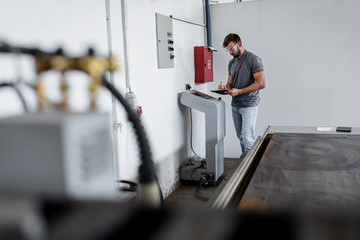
<point>246,78</point>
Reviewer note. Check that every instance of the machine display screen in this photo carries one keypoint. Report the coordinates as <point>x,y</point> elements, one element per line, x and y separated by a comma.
<point>202,95</point>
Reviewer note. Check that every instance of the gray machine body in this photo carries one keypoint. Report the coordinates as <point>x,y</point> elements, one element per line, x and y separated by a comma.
<point>214,109</point>
<point>57,154</point>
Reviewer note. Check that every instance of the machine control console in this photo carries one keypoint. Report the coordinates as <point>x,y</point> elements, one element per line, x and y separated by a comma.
<point>203,95</point>
<point>214,110</point>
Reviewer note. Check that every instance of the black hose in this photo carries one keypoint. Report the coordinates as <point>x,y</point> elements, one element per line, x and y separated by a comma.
<point>21,97</point>
<point>146,169</point>
<point>6,48</point>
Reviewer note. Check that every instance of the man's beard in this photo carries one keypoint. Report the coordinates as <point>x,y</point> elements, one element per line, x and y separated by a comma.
<point>237,54</point>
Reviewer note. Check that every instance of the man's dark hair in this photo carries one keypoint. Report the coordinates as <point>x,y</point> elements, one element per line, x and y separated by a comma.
<point>231,37</point>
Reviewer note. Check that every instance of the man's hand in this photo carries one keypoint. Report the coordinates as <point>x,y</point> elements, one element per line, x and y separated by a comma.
<point>234,92</point>
<point>221,86</point>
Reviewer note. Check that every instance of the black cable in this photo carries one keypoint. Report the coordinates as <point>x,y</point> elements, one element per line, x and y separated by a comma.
<point>202,182</point>
<point>188,87</point>
<point>146,169</point>
<point>6,48</point>
<point>191,136</point>
<point>21,97</point>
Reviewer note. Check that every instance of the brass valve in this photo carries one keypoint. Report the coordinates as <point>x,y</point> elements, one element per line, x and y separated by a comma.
<point>94,66</point>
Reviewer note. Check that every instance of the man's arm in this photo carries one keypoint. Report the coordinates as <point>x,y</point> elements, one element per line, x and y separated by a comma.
<point>259,83</point>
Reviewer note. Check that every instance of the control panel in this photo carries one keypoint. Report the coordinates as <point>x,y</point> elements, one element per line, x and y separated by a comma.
<point>165,42</point>
<point>202,95</point>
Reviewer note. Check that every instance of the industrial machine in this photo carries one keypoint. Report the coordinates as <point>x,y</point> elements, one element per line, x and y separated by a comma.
<point>57,155</point>
<point>214,109</point>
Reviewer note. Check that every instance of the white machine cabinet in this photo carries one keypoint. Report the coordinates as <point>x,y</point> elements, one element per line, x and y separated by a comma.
<point>214,109</point>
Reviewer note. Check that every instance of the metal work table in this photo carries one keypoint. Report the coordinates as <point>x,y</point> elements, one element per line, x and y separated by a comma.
<point>308,129</point>
<point>297,167</point>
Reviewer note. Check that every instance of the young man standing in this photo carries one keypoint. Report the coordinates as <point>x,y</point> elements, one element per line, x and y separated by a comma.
<point>246,77</point>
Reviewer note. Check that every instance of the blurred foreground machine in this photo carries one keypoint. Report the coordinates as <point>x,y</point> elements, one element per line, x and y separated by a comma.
<point>57,155</point>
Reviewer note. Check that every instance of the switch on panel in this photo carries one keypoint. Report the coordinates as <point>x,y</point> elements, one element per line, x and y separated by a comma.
<point>165,42</point>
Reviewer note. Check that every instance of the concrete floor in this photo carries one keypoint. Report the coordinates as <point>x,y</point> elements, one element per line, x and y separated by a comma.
<point>184,195</point>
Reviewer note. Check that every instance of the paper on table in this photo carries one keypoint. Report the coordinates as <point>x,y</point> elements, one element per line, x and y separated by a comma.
<point>326,129</point>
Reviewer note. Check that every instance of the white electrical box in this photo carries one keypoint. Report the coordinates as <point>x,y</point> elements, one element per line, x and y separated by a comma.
<point>57,155</point>
<point>165,42</point>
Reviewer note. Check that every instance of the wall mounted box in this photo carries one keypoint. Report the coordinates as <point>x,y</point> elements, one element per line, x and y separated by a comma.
<point>203,57</point>
<point>165,41</point>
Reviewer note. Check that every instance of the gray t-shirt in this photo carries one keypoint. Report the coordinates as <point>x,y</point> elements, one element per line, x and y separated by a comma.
<point>242,72</point>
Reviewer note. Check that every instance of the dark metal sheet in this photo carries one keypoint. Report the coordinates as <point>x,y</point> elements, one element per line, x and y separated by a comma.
<point>306,171</point>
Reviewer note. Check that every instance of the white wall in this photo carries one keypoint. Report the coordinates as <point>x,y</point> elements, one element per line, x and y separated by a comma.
<point>158,89</point>
<point>310,52</point>
<point>48,25</point>
<point>75,25</point>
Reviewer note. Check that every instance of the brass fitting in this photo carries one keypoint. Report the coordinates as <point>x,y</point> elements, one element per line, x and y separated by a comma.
<point>94,66</point>
<point>42,101</point>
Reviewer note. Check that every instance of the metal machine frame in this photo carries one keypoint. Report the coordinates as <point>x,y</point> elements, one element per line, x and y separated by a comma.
<point>214,109</point>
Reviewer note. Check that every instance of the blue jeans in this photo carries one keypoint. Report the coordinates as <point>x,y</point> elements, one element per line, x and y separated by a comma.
<point>244,121</point>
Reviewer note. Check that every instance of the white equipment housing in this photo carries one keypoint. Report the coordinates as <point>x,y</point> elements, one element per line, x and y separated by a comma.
<point>57,155</point>
<point>214,109</point>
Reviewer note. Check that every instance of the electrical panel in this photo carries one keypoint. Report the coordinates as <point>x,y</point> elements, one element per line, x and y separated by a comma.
<point>165,42</point>
<point>203,57</point>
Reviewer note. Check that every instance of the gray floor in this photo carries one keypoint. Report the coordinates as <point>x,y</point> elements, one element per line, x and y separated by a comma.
<point>184,195</point>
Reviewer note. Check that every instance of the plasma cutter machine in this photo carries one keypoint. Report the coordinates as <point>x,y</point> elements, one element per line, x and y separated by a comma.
<point>214,109</point>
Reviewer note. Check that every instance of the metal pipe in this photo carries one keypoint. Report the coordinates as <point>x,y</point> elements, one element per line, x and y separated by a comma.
<point>208,27</point>
<point>125,42</point>
<point>204,18</point>
<point>116,124</point>
<point>187,21</point>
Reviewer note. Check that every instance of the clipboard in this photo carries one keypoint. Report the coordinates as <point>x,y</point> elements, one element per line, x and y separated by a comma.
<point>222,91</point>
